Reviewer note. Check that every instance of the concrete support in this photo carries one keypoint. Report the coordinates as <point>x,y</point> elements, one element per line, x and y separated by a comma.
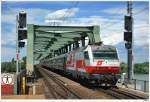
<point>30,49</point>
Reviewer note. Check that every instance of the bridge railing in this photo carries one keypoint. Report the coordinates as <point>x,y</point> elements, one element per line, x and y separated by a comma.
<point>136,84</point>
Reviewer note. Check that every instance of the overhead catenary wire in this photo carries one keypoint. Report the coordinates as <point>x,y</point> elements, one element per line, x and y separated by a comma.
<point>114,23</point>
<point>64,18</point>
<point>140,11</point>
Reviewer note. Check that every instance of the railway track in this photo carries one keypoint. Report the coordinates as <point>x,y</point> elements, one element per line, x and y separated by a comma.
<point>122,94</point>
<point>57,87</point>
<point>60,89</point>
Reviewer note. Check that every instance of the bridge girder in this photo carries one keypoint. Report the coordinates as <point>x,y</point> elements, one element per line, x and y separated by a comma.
<point>44,41</point>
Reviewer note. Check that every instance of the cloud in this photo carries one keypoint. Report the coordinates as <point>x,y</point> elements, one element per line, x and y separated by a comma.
<point>115,11</point>
<point>8,36</point>
<point>111,28</point>
<point>60,15</point>
<point>9,52</point>
<point>108,29</point>
<point>9,21</point>
<point>9,16</point>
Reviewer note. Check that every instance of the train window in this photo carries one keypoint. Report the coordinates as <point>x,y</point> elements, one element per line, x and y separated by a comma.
<point>86,55</point>
<point>105,55</point>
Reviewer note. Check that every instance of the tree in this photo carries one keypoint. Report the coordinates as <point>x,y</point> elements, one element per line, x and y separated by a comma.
<point>23,63</point>
<point>141,68</point>
<point>123,67</point>
<point>13,60</point>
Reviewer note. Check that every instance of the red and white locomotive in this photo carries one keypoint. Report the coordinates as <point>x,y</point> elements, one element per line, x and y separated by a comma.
<point>94,63</point>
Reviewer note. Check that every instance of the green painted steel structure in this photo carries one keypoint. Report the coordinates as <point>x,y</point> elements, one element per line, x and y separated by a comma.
<point>48,41</point>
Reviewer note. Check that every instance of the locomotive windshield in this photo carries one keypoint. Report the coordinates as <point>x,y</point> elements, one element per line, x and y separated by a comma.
<point>105,55</point>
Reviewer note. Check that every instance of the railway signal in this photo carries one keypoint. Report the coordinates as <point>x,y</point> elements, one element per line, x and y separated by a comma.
<point>128,23</point>
<point>22,19</point>
<point>21,44</point>
<point>22,26</point>
<point>128,38</point>
<point>128,45</point>
<point>128,32</point>
<point>21,30</point>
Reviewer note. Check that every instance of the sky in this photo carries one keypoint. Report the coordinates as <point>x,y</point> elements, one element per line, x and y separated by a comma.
<point>108,15</point>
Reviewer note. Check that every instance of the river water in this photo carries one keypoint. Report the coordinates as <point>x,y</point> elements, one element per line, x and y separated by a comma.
<point>144,77</point>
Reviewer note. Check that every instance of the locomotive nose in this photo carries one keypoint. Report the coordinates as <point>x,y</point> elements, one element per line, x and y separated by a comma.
<point>109,68</point>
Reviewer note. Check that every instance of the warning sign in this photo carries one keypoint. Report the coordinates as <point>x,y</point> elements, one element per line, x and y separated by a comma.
<point>7,78</point>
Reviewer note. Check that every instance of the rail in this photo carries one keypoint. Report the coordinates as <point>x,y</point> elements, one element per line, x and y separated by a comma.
<point>119,93</point>
<point>62,91</point>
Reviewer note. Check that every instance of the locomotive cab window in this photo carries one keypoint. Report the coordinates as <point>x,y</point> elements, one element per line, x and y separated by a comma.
<point>86,55</point>
<point>105,55</point>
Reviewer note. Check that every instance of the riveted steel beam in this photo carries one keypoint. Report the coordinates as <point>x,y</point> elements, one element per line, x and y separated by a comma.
<point>30,48</point>
<point>40,43</point>
<point>64,28</point>
<point>36,55</point>
<point>39,56</point>
<point>43,56</point>
<point>60,38</point>
<point>45,38</point>
<point>39,47</point>
<point>96,34</point>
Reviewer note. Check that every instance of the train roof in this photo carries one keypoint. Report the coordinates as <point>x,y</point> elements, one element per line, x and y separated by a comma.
<point>93,47</point>
<point>103,47</point>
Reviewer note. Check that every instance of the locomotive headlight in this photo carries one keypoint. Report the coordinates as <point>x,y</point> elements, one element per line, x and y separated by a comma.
<point>106,61</point>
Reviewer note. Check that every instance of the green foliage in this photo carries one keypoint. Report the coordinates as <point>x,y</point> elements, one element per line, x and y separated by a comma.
<point>11,66</point>
<point>140,68</point>
<point>8,67</point>
<point>123,67</point>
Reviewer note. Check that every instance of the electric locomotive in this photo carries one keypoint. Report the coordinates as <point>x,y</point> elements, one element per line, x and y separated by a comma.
<point>97,64</point>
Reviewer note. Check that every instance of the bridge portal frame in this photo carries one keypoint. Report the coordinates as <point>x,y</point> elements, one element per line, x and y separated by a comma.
<point>45,42</point>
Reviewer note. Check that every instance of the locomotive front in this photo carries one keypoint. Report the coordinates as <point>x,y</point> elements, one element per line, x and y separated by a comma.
<point>103,64</point>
